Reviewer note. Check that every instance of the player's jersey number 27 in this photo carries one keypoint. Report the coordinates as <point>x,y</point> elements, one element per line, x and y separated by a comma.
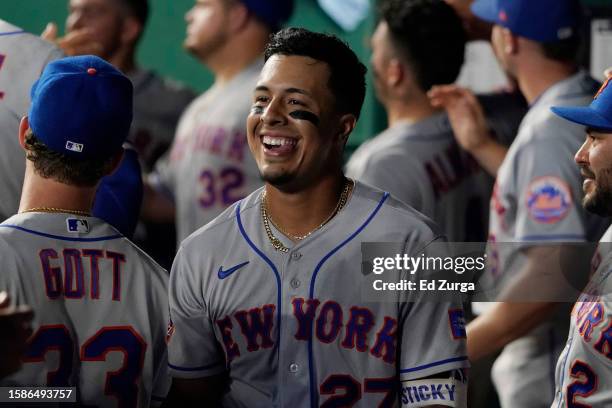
<point>121,384</point>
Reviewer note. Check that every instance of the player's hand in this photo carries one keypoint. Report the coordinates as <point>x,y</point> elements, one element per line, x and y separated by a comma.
<point>76,42</point>
<point>465,114</point>
<point>14,332</point>
<point>475,28</point>
<point>608,72</point>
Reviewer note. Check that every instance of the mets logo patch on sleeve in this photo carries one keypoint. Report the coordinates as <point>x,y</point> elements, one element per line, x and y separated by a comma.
<point>549,199</point>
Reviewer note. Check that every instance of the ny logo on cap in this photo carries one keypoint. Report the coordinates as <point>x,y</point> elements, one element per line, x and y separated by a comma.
<point>74,147</point>
<point>77,225</point>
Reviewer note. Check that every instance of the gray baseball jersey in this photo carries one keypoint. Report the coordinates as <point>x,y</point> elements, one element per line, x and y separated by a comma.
<point>23,57</point>
<point>292,329</point>
<point>584,370</point>
<point>158,105</point>
<point>99,308</point>
<point>209,165</point>
<point>422,165</point>
<point>536,199</point>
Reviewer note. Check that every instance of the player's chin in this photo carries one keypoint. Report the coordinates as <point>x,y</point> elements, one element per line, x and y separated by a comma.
<point>277,179</point>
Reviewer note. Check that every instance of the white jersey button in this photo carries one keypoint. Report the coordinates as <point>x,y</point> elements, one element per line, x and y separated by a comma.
<point>296,255</point>
<point>294,367</point>
<point>295,283</point>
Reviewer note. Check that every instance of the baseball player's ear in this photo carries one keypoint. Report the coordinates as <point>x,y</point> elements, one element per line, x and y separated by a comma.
<point>131,30</point>
<point>395,72</point>
<point>347,124</point>
<point>511,42</point>
<point>24,125</point>
<point>239,16</point>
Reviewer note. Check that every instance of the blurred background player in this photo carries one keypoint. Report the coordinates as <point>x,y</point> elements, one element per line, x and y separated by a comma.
<point>111,29</point>
<point>584,370</point>
<point>93,292</point>
<point>419,44</point>
<point>534,201</point>
<point>23,57</point>
<point>209,166</point>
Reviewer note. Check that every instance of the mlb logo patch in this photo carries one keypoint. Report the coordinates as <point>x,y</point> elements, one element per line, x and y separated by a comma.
<point>74,147</point>
<point>77,225</point>
<point>549,199</point>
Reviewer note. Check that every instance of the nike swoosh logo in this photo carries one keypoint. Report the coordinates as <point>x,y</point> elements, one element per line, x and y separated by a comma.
<point>224,274</point>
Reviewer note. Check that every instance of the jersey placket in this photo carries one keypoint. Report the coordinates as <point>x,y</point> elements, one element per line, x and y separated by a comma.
<point>293,357</point>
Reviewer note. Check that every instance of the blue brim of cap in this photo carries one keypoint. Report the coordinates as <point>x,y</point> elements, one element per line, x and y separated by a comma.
<point>585,115</point>
<point>486,10</point>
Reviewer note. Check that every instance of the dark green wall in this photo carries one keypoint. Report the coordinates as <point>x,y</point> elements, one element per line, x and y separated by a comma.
<point>161,47</point>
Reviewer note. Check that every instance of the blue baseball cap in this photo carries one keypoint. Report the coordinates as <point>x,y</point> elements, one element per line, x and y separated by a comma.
<point>272,12</point>
<point>81,107</point>
<point>597,115</point>
<point>537,20</point>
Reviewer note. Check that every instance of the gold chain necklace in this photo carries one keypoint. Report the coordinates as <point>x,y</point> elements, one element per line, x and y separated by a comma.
<point>57,210</point>
<point>277,243</point>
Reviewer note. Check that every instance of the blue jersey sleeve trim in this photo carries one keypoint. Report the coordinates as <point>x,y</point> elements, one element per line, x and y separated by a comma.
<point>206,367</point>
<point>434,364</point>
<point>12,32</point>
<point>58,237</point>
<point>313,389</point>
<point>574,237</point>
<point>263,256</point>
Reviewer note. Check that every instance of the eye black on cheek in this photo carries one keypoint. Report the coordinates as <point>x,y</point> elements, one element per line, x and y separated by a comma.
<point>305,115</point>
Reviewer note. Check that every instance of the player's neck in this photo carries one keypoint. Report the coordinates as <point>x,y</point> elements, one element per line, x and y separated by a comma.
<point>39,192</point>
<point>124,60</point>
<point>412,111</point>
<point>236,56</point>
<point>536,77</point>
<point>300,212</point>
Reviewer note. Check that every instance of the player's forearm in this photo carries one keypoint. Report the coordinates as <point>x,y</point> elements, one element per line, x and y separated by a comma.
<point>490,155</point>
<point>502,324</point>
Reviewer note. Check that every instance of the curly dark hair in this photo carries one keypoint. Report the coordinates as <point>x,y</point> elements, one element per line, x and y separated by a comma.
<point>53,165</point>
<point>347,79</point>
<point>431,37</point>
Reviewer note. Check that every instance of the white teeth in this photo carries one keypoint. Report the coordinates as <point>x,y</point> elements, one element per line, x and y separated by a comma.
<point>278,141</point>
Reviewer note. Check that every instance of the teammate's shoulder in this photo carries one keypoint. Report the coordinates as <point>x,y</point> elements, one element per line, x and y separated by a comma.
<point>397,214</point>
<point>224,223</point>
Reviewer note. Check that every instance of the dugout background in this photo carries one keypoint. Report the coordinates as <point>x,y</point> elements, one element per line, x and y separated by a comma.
<point>161,47</point>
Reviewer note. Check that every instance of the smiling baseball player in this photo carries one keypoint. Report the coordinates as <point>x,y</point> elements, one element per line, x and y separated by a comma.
<point>584,370</point>
<point>273,314</point>
<point>99,302</point>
